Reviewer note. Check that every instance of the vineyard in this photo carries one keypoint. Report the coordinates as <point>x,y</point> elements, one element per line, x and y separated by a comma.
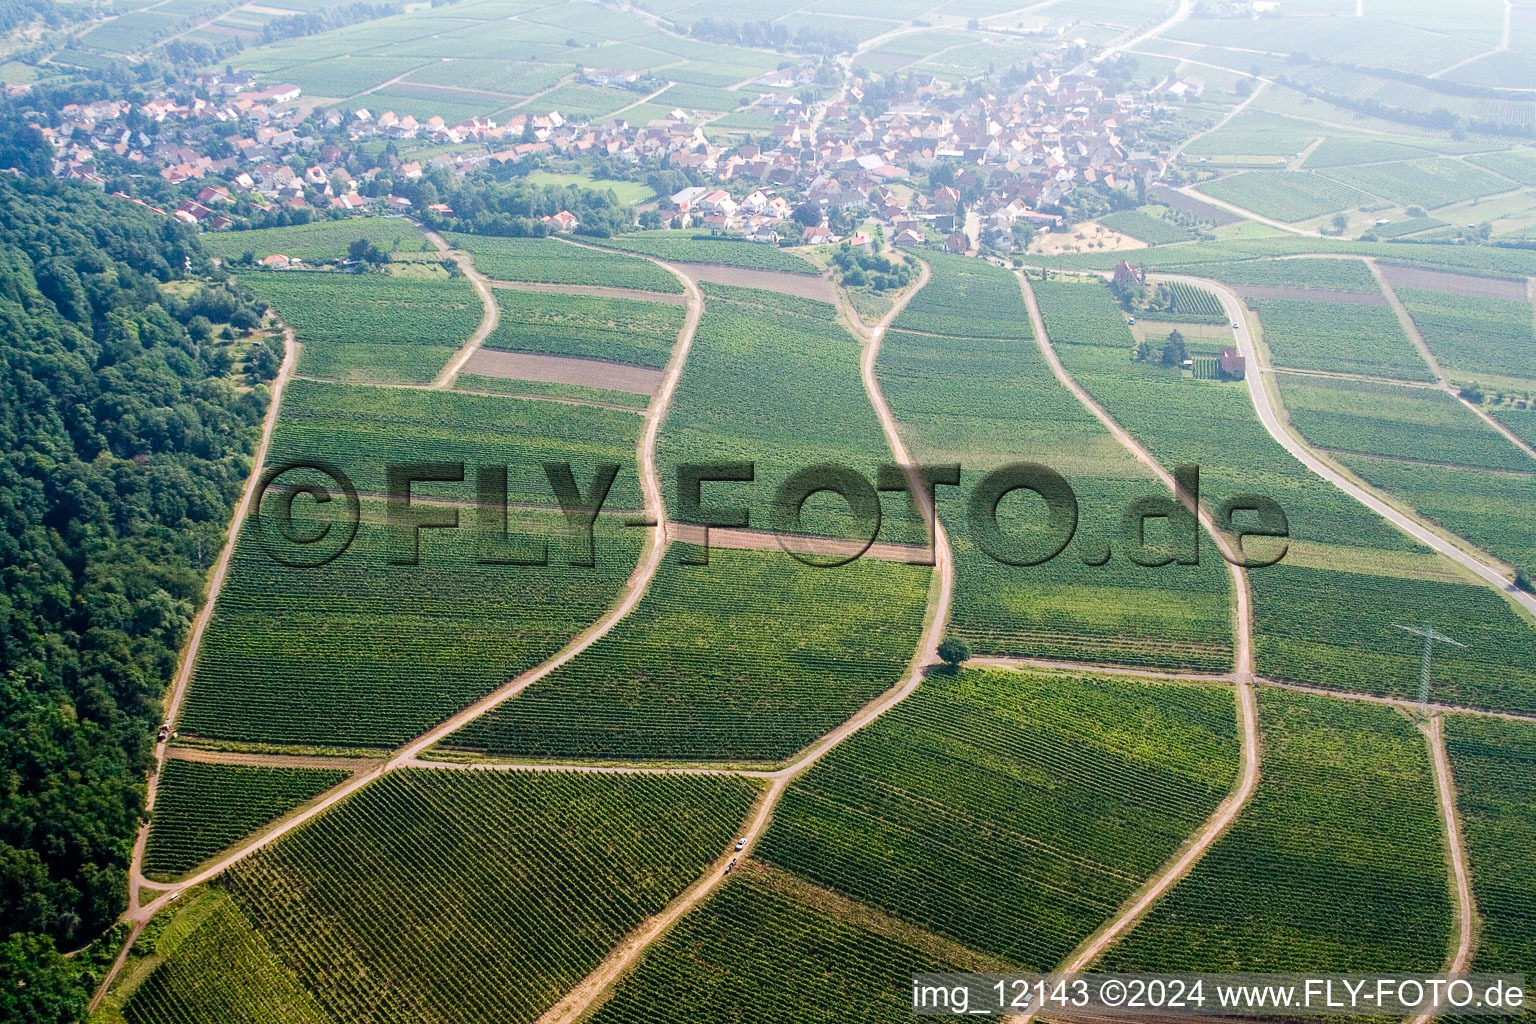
<point>774,380</point>
<point>1336,864</point>
<point>1493,763</point>
<point>1314,274</point>
<point>1488,261</point>
<point>1335,629</point>
<point>986,403</point>
<point>317,241</point>
<point>966,298</point>
<point>1150,229</point>
<point>1082,314</point>
<point>203,808</point>
<point>620,330</point>
<point>1420,424</point>
<point>1426,183</point>
<point>1340,337</point>
<point>1009,812</point>
<point>368,653</point>
<point>748,658</point>
<point>1285,195</point>
<point>1196,303</point>
<point>546,261</point>
<point>454,896</point>
<point>362,430</point>
<point>680,247</point>
<point>1476,334</point>
<point>371,326</point>
<point>754,953</point>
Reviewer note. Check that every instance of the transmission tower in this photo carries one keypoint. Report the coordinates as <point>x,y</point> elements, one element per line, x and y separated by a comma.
<point>1430,635</point>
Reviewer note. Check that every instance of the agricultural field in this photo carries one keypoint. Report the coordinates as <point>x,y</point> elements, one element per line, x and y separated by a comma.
<point>746,659</point>
<point>549,389</point>
<point>318,241</point>
<point>773,379</point>
<point>631,192</point>
<point>1346,150</point>
<point>1337,864</point>
<point>1285,195</point>
<point>1492,763</point>
<point>895,816</point>
<point>592,327</point>
<point>1303,274</point>
<point>1338,336</point>
<point>1516,164</point>
<point>767,947</point>
<point>546,261</point>
<point>1426,183</point>
<point>683,247</point>
<point>985,403</point>
<point>372,326</point>
<point>1149,228</point>
<point>1408,424</point>
<point>1475,334</point>
<point>202,808</point>
<point>1193,302</point>
<point>422,894</point>
<point>966,298</point>
<point>1481,260</point>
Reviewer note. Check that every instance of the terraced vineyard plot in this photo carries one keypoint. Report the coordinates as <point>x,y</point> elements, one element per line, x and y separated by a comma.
<point>1197,303</point>
<point>1007,811</point>
<point>371,326</point>
<point>469,897</point>
<point>1420,424</point>
<point>202,808</point>
<point>546,261</point>
<point>986,403</point>
<point>1426,183</point>
<point>753,953</point>
<point>572,392</point>
<point>748,658</point>
<point>1475,334</point>
<point>1493,763</point>
<point>1285,195</point>
<point>683,247</point>
<point>1343,150</point>
<point>364,652</point>
<point>1521,421</point>
<point>774,380</point>
<point>320,240</point>
<point>1082,314</point>
<point>364,430</point>
<point>1516,164</point>
<point>966,298</point>
<point>589,326</point>
<point>1489,261</point>
<point>1337,863</point>
<point>1338,336</point>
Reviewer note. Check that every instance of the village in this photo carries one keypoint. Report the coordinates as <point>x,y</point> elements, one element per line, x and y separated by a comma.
<point>965,170</point>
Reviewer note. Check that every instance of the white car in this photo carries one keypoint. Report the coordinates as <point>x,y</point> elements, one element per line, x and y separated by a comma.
<point>741,844</point>
<point>1234,325</point>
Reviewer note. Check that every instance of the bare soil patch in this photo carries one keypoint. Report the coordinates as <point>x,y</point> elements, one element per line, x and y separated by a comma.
<point>1177,200</point>
<point>1278,291</point>
<point>806,286</point>
<point>591,373</point>
<point>1088,236</point>
<point>1456,284</point>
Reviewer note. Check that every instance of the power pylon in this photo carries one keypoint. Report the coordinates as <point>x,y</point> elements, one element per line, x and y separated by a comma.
<point>1430,635</point>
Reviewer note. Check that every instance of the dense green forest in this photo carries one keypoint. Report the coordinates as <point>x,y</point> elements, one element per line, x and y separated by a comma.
<point>124,440</point>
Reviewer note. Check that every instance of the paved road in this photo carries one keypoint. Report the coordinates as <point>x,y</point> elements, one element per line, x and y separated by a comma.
<point>1303,454</point>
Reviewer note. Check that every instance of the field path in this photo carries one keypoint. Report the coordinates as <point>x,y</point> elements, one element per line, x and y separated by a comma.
<point>1466,916</point>
<point>593,988</point>
<point>1304,454</point>
<point>1242,675</point>
<point>490,314</point>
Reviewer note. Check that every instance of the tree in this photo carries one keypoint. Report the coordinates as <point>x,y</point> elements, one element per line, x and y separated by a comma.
<point>954,652</point>
<point>1142,352</point>
<point>1174,352</point>
<point>1523,582</point>
<point>363,251</point>
<point>38,985</point>
<point>1340,222</point>
<point>807,214</point>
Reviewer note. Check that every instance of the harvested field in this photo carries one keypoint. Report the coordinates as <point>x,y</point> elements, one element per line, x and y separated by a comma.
<point>1275,291</point>
<point>1174,199</point>
<point>1456,284</point>
<point>805,286</point>
<point>591,373</point>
